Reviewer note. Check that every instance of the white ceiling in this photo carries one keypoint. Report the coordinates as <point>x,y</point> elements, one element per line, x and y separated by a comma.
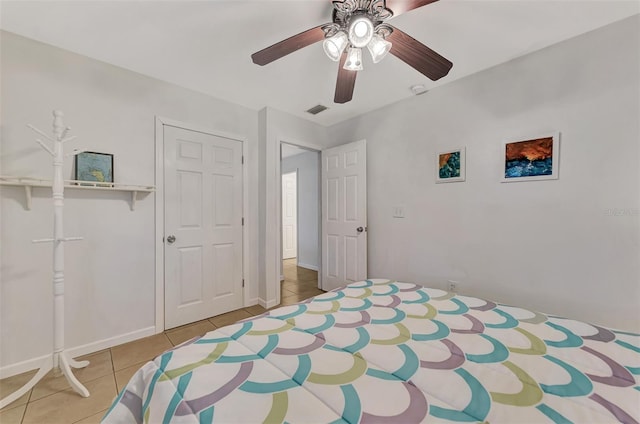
<point>206,45</point>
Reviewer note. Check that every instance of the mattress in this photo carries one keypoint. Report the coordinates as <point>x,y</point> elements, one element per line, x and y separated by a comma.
<point>388,351</point>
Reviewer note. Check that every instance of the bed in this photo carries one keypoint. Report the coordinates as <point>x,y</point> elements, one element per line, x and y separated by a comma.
<point>387,351</point>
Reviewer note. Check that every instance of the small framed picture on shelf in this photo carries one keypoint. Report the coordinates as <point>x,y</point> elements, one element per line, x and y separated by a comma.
<point>531,158</point>
<point>95,168</point>
<point>450,166</point>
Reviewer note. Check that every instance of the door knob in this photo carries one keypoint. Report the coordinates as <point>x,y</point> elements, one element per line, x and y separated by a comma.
<point>359,229</point>
<point>171,239</point>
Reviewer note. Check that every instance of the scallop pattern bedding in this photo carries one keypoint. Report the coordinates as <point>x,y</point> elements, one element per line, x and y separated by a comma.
<point>387,351</point>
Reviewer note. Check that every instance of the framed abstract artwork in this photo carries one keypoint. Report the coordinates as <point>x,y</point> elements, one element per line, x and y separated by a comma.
<point>531,158</point>
<point>450,166</point>
<point>95,167</point>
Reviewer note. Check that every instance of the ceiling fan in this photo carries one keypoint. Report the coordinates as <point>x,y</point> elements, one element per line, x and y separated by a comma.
<point>356,24</point>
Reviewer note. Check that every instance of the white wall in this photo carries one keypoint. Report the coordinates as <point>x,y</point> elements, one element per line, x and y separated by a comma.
<point>110,275</point>
<point>548,245</point>
<point>308,166</point>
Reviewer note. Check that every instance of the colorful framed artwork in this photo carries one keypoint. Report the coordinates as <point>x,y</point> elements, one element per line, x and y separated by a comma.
<point>450,166</point>
<point>94,167</point>
<point>531,158</point>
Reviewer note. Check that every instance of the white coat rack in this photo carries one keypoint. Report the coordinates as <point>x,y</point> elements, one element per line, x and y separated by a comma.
<point>58,361</point>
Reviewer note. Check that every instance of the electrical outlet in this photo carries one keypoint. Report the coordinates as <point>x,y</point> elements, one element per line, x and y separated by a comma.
<point>453,286</point>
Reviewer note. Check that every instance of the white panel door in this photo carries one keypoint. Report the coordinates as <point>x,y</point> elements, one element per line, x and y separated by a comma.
<point>203,225</point>
<point>344,214</point>
<point>289,215</point>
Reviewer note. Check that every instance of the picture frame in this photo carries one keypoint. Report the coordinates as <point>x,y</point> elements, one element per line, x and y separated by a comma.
<point>532,158</point>
<point>94,167</point>
<point>451,165</point>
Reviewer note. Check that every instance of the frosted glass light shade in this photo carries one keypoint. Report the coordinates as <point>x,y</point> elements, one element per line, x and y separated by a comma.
<point>334,46</point>
<point>378,47</point>
<point>354,60</point>
<point>360,31</point>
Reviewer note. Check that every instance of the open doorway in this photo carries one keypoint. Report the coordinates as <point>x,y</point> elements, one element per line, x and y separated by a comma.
<point>290,215</point>
<point>300,229</point>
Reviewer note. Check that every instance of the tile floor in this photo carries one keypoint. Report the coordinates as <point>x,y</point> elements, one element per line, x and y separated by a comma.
<point>53,401</point>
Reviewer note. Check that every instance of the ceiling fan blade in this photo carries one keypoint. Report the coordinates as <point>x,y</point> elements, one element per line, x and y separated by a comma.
<point>418,56</point>
<point>401,6</point>
<point>345,84</point>
<point>287,46</point>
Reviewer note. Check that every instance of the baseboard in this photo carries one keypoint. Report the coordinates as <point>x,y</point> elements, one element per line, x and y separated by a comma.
<point>311,267</point>
<point>251,302</point>
<point>74,352</point>
<point>267,304</point>
<point>281,277</point>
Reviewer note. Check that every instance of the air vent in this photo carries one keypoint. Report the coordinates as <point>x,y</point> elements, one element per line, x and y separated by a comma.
<point>317,109</point>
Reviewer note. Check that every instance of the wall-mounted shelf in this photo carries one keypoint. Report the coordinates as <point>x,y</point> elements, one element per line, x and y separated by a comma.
<point>30,183</point>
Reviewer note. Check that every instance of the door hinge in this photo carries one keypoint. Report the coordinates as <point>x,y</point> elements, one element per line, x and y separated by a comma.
<point>242,220</point>
<point>243,282</point>
<point>242,160</point>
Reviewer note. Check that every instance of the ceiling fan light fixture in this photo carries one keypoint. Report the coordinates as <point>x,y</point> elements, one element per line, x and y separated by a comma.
<point>354,59</point>
<point>360,31</point>
<point>335,45</point>
<point>378,47</point>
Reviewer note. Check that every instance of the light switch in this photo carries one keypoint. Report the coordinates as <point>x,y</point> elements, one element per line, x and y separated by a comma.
<point>398,212</point>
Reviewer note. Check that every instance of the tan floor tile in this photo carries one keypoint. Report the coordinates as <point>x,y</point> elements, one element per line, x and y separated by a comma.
<point>301,288</point>
<point>255,310</point>
<point>123,376</point>
<point>94,419</point>
<point>229,318</point>
<point>286,295</point>
<point>11,384</point>
<point>290,300</point>
<point>100,365</point>
<point>310,291</point>
<point>303,293</point>
<point>308,278</point>
<point>294,271</point>
<point>290,287</point>
<point>299,277</point>
<point>12,415</point>
<point>69,407</point>
<point>188,332</point>
<point>297,272</point>
<point>141,350</point>
<point>298,285</point>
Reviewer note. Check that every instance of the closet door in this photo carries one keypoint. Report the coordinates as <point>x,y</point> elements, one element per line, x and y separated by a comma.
<point>203,225</point>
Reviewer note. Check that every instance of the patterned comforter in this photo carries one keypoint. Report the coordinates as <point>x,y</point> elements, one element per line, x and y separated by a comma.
<point>385,351</point>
